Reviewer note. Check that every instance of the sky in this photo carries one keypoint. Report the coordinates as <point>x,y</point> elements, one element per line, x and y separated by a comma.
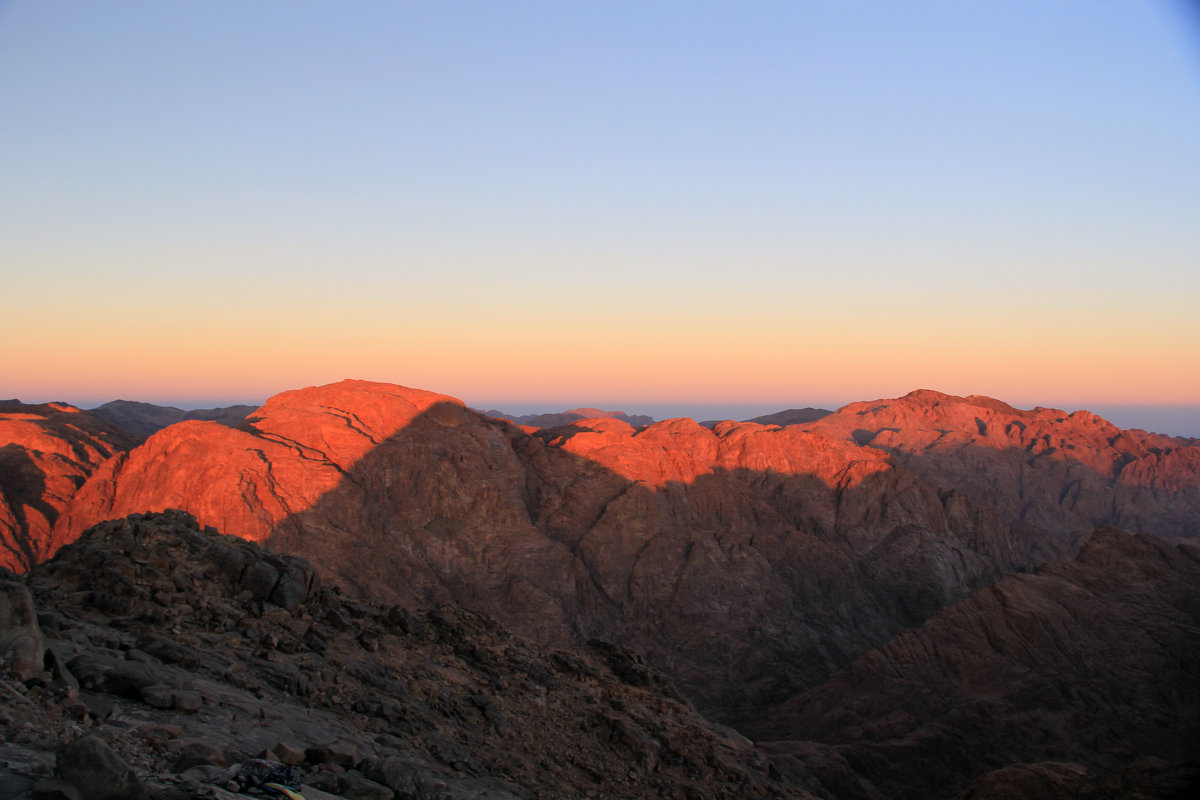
<point>615,204</point>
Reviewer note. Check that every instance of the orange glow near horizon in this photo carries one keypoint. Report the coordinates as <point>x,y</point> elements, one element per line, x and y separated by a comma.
<point>599,342</point>
<point>651,360</point>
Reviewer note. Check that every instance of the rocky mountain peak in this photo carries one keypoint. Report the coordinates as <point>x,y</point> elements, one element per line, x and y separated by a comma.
<point>1054,476</point>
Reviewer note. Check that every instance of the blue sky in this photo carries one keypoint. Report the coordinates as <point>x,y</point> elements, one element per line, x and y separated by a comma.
<point>588,203</point>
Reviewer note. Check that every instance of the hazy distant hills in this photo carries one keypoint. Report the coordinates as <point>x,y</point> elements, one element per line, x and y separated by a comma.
<point>143,419</point>
<point>791,416</point>
<point>569,416</point>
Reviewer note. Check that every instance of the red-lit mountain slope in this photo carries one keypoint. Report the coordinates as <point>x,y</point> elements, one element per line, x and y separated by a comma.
<point>46,452</point>
<point>1053,476</point>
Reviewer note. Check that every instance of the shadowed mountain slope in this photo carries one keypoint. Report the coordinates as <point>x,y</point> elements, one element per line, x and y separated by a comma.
<point>1094,662</point>
<point>1054,476</point>
<point>46,452</point>
<point>747,562</point>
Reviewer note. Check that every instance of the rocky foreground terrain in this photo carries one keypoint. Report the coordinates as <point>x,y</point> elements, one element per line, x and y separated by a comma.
<point>153,659</point>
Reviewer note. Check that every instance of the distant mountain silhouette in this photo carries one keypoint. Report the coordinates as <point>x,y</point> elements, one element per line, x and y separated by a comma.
<point>791,416</point>
<point>143,419</point>
<point>556,419</point>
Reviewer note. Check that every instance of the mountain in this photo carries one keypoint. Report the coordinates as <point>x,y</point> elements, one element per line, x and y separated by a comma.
<point>747,562</point>
<point>792,416</point>
<point>554,420</point>
<point>143,419</point>
<point>1080,680</point>
<point>1053,476</point>
<point>859,591</point>
<point>174,656</point>
<point>46,452</point>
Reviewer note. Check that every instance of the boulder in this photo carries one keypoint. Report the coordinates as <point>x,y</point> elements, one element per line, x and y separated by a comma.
<point>118,676</point>
<point>21,645</point>
<point>92,767</point>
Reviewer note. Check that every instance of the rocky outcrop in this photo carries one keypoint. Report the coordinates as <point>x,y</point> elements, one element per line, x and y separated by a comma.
<point>748,561</point>
<point>1054,476</point>
<point>20,638</point>
<point>140,420</point>
<point>1093,664</point>
<point>185,655</point>
<point>46,453</point>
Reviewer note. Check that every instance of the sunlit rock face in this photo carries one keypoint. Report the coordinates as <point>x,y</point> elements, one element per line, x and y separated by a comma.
<point>296,447</point>
<point>1094,662</point>
<point>747,561</point>
<point>1053,476</point>
<point>46,453</point>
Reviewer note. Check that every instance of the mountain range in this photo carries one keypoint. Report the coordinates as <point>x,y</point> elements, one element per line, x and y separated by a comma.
<point>566,417</point>
<point>855,589</point>
<point>142,419</point>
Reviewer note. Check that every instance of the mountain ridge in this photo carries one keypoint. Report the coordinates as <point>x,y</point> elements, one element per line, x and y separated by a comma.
<point>671,537</point>
<point>662,537</point>
<point>1055,476</point>
<point>142,419</point>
